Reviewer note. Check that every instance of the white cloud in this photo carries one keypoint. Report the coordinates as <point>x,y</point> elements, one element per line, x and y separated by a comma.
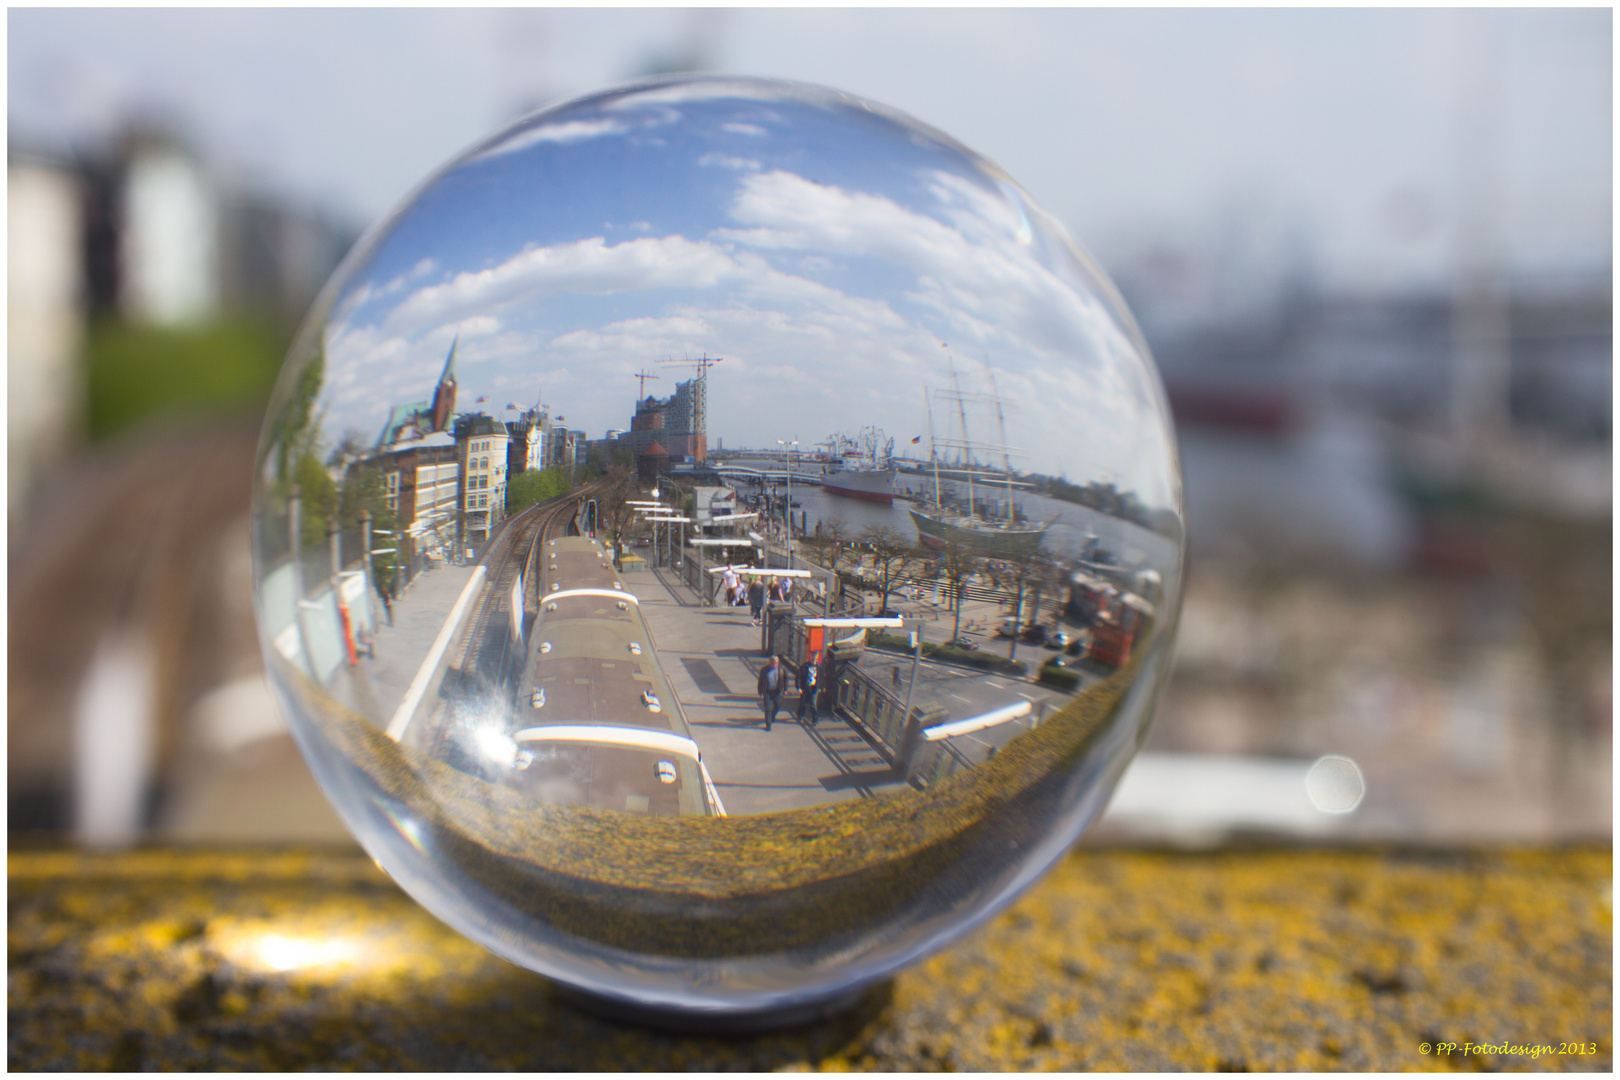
<point>972,270</point>
<point>728,161</point>
<point>591,267</point>
<point>478,326</point>
<point>569,131</point>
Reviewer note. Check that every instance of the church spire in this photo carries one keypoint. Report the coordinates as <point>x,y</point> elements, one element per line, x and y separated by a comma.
<point>444,395</point>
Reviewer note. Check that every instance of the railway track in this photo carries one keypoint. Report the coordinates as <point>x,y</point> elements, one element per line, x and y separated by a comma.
<point>479,667</point>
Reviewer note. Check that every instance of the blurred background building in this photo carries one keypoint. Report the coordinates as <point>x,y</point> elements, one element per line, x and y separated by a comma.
<point>1371,249</point>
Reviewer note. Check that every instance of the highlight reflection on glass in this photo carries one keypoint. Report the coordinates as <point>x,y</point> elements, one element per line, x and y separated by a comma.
<point>718,542</point>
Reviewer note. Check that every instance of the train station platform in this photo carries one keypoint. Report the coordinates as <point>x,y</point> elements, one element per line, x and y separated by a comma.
<point>378,685</point>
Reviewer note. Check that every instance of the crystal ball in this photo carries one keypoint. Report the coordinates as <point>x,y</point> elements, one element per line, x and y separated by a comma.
<point>716,543</point>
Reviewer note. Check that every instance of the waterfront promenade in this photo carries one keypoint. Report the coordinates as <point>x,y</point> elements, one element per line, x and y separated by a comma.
<point>712,657</point>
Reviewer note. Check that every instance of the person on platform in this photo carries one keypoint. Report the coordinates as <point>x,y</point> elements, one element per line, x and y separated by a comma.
<point>756,599</point>
<point>730,580</point>
<point>772,681</point>
<point>809,677</point>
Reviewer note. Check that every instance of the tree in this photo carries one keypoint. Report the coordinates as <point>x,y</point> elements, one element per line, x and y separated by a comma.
<point>892,555</point>
<point>294,429</point>
<point>1018,576</point>
<point>536,486</point>
<point>320,500</point>
<point>363,491</point>
<point>956,563</point>
<point>349,449</point>
<point>613,507</point>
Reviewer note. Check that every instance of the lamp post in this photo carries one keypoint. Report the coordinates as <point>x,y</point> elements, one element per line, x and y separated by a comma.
<point>787,510</point>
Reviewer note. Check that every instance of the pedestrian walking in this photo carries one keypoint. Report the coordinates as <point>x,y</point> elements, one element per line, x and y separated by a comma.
<point>809,676</point>
<point>772,680</point>
<point>730,580</point>
<point>756,599</point>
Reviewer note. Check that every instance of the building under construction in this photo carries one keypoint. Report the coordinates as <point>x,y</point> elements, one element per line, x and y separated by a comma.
<point>676,424</point>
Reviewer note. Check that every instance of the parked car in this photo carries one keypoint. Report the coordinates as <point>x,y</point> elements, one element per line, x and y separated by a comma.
<point>1034,634</point>
<point>1059,640</point>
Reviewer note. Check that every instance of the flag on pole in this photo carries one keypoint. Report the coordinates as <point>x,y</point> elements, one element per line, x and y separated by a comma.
<point>918,439</point>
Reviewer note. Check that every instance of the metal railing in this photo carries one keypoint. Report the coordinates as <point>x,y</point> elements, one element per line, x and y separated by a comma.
<point>876,709</point>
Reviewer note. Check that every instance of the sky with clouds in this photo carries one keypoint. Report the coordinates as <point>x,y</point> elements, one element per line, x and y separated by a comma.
<point>837,258</point>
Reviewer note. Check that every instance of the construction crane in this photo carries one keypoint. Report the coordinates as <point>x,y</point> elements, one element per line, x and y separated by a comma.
<point>643,376</point>
<point>702,363</point>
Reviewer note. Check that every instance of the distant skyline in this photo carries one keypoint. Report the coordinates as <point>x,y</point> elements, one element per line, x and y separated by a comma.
<point>1362,138</point>
<point>840,261</point>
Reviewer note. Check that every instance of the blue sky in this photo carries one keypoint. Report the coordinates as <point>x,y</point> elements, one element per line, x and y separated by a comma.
<point>836,259</point>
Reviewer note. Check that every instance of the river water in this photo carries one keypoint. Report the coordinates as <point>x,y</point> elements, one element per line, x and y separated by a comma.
<point>1131,544</point>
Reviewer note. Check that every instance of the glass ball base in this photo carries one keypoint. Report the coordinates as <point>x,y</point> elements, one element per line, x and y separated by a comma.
<point>857,1004</point>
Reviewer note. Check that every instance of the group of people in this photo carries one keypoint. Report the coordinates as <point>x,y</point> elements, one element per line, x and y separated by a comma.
<point>755,592</point>
<point>773,679</point>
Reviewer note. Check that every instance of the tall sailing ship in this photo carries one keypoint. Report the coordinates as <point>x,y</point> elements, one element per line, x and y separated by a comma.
<point>967,524</point>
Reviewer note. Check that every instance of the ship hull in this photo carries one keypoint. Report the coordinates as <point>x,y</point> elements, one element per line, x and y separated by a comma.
<point>991,542</point>
<point>876,485</point>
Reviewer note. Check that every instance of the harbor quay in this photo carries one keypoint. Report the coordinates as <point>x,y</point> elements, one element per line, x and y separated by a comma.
<point>712,655</point>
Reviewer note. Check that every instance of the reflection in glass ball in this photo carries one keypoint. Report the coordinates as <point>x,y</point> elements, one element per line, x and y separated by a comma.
<point>718,542</point>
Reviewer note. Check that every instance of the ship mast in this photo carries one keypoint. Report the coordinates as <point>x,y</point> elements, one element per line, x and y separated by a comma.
<point>1001,428</point>
<point>933,447</point>
<point>967,443</point>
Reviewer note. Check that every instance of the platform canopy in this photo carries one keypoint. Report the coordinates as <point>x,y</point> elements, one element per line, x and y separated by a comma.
<point>757,571</point>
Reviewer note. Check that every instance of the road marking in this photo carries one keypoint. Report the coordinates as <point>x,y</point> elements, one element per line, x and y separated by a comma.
<point>1023,695</point>
<point>959,697</point>
<point>997,685</point>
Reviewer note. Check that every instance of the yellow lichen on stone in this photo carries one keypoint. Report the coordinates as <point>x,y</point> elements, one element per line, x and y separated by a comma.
<point>1299,960</point>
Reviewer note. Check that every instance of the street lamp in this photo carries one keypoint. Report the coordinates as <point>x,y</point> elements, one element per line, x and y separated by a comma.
<point>787,510</point>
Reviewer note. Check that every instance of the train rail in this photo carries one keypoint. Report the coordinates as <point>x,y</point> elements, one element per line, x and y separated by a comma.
<point>479,669</point>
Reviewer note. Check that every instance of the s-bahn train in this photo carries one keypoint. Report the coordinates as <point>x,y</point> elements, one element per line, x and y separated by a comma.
<point>597,724</point>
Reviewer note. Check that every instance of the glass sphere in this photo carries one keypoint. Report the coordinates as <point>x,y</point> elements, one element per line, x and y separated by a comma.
<point>650,388</point>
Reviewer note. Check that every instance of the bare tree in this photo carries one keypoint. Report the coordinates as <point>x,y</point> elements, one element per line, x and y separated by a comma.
<point>613,504</point>
<point>892,555</point>
<point>1019,576</point>
<point>956,564</point>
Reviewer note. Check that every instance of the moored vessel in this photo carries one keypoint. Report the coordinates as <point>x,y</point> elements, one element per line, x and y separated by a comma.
<point>862,467</point>
<point>942,525</point>
<point>993,540</point>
